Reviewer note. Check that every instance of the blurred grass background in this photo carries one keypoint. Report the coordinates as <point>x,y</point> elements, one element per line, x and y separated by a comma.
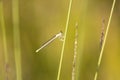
<point>39,20</point>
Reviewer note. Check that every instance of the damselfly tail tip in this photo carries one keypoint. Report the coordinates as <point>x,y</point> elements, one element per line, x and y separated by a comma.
<point>37,51</point>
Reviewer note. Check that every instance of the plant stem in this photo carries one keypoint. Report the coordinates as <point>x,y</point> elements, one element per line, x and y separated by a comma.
<point>104,41</point>
<point>63,46</point>
<point>83,15</point>
<point>16,33</point>
<point>4,39</point>
<point>75,52</point>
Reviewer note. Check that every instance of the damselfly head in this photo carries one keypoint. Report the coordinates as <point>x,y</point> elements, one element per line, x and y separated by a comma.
<point>61,36</point>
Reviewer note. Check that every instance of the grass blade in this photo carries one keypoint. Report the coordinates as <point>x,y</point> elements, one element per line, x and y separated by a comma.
<point>16,33</point>
<point>4,39</point>
<point>104,41</point>
<point>63,46</point>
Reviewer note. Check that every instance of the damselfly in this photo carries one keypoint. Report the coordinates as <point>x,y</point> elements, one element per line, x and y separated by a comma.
<point>58,35</point>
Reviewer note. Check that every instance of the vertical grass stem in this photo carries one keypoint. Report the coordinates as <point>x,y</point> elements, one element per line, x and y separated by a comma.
<point>64,41</point>
<point>16,33</point>
<point>104,41</point>
<point>2,19</point>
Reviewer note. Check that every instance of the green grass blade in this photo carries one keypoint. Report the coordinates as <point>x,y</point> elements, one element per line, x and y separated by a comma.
<point>16,33</point>
<point>64,41</point>
<point>4,39</point>
<point>104,41</point>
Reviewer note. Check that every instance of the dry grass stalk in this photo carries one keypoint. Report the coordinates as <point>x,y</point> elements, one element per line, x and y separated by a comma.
<point>75,52</point>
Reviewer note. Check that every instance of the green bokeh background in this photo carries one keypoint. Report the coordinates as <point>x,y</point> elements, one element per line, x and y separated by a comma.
<point>39,20</point>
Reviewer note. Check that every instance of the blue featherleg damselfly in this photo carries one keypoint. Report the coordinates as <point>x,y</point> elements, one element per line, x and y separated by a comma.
<point>58,35</point>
